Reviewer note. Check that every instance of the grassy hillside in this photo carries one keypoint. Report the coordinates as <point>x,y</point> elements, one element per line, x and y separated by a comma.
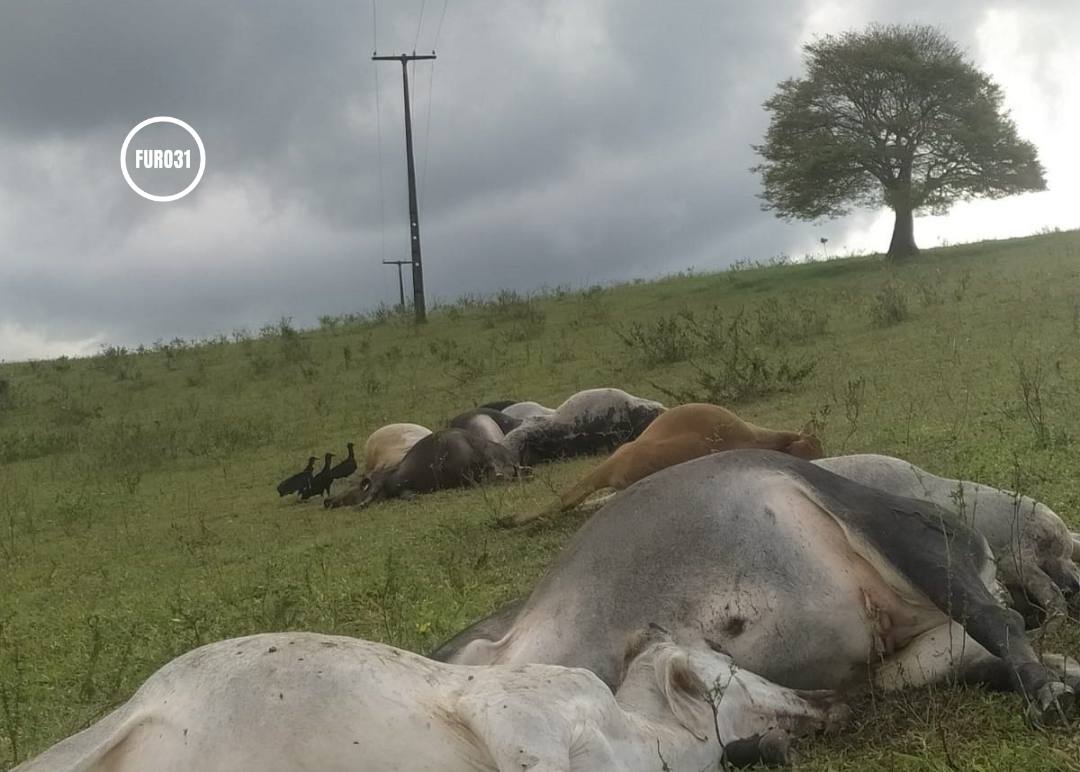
<point>138,517</point>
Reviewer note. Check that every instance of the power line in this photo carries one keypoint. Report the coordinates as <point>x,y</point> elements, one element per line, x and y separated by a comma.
<point>378,136</point>
<point>427,127</point>
<point>427,138</point>
<point>438,29</point>
<point>419,24</point>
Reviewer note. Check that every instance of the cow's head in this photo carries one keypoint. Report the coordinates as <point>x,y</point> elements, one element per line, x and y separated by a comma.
<point>370,488</point>
<point>704,691</point>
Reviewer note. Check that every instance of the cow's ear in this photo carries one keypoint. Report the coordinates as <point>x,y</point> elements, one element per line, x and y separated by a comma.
<point>685,693</point>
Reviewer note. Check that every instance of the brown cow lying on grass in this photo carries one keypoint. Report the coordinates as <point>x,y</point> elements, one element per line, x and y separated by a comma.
<point>680,434</point>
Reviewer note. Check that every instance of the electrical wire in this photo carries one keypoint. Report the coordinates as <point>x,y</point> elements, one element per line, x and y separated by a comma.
<point>438,29</point>
<point>427,127</point>
<point>378,137</point>
<point>419,24</point>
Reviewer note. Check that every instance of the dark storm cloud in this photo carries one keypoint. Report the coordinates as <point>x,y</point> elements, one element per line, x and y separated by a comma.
<point>569,142</point>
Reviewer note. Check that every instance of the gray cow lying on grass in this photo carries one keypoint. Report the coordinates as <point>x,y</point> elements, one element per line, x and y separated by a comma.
<point>290,702</point>
<point>1034,549</point>
<point>805,577</point>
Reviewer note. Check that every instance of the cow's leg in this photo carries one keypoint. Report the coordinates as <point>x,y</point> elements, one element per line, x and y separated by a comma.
<point>1022,574</point>
<point>1064,574</point>
<point>952,566</point>
<point>595,480</point>
<point>949,651</point>
<point>1001,632</point>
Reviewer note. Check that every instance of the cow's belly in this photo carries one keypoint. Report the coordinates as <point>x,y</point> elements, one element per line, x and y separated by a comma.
<point>826,623</point>
<point>770,577</point>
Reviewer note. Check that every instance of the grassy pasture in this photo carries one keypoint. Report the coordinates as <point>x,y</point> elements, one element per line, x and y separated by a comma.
<point>138,517</point>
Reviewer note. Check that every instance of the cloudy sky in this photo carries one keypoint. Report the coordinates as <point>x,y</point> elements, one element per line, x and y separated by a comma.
<point>558,142</point>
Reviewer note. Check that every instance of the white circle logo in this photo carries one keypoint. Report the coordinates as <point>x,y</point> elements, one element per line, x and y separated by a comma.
<point>162,158</point>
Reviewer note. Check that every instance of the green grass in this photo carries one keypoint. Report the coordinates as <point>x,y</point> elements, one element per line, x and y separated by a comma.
<point>138,516</point>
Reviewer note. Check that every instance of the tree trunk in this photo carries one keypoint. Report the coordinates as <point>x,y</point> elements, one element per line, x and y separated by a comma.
<point>903,235</point>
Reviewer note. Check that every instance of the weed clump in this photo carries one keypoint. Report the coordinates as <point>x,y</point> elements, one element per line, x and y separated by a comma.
<point>666,340</point>
<point>790,320</point>
<point>731,368</point>
<point>889,306</point>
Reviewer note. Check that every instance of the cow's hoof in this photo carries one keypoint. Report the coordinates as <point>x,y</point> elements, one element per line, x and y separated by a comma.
<point>1053,705</point>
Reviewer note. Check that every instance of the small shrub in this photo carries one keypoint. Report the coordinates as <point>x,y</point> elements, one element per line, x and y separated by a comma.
<point>384,313</point>
<point>732,369</point>
<point>509,306</point>
<point>329,323</point>
<point>1030,380</point>
<point>527,329</point>
<point>666,340</point>
<point>197,376</point>
<point>790,320</point>
<point>294,348</point>
<point>370,384</point>
<point>22,445</point>
<point>71,412</point>
<point>5,394</point>
<point>889,306</point>
<point>261,364</point>
<point>962,285</point>
<point>115,361</point>
<point>929,289</point>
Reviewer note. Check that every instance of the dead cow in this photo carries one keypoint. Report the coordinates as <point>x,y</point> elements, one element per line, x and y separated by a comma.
<point>304,702</point>
<point>680,434</point>
<point>387,445</point>
<point>1036,554</point>
<point>805,577</point>
<point>449,458</point>
<point>590,421</point>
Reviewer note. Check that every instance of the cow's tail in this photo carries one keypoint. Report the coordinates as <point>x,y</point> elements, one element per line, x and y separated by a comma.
<point>1076,547</point>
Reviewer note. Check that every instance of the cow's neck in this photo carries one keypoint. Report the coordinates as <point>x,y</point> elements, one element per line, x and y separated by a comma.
<point>652,722</point>
<point>649,743</point>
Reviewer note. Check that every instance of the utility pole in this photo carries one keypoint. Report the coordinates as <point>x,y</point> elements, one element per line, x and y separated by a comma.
<point>414,218</point>
<point>400,281</point>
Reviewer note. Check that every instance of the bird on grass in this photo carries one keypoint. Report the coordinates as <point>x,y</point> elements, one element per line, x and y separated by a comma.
<point>299,482</point>
<point>320,483</point>
<point>346,467</point>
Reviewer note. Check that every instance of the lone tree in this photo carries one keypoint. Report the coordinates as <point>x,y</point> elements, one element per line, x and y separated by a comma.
<point>894,115</point>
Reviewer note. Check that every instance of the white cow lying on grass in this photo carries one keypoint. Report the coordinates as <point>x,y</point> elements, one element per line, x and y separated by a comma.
<point>303,701</point>
<point>1035,551</point>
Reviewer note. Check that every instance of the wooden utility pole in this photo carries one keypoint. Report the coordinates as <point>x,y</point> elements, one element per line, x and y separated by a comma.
<point>400,281</point>
<point>414,217</point>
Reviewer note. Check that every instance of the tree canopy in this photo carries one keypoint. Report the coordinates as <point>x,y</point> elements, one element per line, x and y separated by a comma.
<point>895,116</point>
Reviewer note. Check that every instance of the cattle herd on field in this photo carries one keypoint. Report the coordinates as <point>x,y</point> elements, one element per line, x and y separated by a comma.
<point>733,595</point>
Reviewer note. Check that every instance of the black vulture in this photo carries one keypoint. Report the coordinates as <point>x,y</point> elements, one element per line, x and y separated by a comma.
<point>320,483</point>
<point>299,482</point>
<point>346,467</point>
